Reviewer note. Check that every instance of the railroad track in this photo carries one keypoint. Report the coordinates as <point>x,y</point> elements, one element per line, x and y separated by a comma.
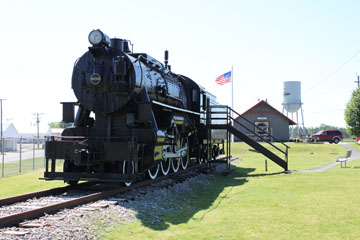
<point>26,214</point>
<point>53,191</point>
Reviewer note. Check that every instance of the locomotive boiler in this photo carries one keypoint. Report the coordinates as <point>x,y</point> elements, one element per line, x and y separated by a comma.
<point>134,117</point>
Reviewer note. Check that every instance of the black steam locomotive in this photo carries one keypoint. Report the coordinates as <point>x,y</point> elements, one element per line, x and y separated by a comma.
<point>134,117</point>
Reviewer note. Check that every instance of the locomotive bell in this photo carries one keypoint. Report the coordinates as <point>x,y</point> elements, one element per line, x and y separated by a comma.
<point>126,47</point>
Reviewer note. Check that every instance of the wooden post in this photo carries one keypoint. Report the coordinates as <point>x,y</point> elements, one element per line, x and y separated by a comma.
<point>266,166</point>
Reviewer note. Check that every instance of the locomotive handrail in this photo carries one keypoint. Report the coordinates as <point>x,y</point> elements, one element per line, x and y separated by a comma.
<point>175,108</point>
<point>123,138</point>
<point>68,137</point>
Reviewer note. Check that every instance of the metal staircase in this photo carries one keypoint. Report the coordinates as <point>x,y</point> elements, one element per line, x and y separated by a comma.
<point>224,117</point>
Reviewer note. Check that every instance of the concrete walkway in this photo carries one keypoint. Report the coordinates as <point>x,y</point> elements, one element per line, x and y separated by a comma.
<point>354,155</point>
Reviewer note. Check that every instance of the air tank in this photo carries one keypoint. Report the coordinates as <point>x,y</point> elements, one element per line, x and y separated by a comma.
<point>292,96</point>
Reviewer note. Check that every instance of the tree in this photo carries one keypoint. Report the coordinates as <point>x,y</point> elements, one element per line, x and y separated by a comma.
<point>59,124</point>
<point>323,126</point>
<point>352,114</point>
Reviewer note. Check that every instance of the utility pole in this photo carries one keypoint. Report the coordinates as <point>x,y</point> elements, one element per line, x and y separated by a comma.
<point>37,124</point>
<point>1,106</point>
<point>358,80</point>
<point>2,139</point>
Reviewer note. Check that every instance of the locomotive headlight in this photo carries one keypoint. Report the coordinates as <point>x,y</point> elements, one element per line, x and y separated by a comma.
<point>97,37</point>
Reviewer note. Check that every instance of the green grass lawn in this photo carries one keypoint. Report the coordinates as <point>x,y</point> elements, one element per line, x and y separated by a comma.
<point>356,145</point>
<point>27,165</point>
<point>251,203</point>
<point>254,204</point>
<point>301,155</point>
<point>15,183</point>
<point>26,183</point>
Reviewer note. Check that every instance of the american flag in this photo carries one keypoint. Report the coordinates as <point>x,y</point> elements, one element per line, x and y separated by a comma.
<point>224,78</point>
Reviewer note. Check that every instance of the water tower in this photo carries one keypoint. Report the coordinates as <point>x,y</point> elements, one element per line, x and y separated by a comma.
<point>292,104</point>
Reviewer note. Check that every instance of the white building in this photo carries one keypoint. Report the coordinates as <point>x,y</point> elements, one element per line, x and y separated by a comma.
<point>10,134</point>
<point>9,131</point>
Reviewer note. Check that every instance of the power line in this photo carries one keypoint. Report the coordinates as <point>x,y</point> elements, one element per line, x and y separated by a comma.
<point>320,91</point>
<point>333,72</point>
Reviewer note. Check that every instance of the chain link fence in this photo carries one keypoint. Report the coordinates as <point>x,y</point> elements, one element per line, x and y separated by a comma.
<point>20,155</point>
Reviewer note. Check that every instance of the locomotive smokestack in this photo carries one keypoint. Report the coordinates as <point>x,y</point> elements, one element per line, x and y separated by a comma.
<point>117,43</point>
<point>166,58</point>
<point>120,44</point>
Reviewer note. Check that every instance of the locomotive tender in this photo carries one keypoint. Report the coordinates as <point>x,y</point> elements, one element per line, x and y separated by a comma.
<point>134,117</point>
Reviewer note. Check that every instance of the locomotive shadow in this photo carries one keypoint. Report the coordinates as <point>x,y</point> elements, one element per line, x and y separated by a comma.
<point>203,199</point>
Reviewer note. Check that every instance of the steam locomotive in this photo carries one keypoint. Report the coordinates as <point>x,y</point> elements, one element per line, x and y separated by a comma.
<point>135,117</point>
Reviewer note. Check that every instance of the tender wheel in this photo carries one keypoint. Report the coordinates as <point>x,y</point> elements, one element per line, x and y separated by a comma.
<point>184,160</point>
<point>336,141</point>
<point>126,170</point>
<point>153,172</point>
<point>165,166</point>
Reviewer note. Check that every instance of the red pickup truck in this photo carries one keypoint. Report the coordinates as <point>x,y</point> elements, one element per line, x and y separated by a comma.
<point>331,136</point>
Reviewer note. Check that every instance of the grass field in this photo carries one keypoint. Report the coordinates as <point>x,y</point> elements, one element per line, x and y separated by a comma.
<point>357,146</point>
<point>252,206</point>
<point>27,165</point>
<point>301,155</point>
<point>28,181</point>
<point>251,203</point>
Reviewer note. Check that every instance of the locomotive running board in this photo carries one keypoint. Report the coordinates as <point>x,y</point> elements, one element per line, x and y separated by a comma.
<point>174,108</point>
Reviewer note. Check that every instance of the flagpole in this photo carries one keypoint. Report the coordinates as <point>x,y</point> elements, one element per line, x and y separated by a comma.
<point>232,97</point>
<point>232,88</point>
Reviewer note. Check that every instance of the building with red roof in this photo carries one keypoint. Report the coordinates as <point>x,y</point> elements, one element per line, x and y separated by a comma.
<point>268,121</point>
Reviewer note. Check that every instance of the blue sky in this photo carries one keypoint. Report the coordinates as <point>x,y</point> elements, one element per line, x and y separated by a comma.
<point>266,42</point>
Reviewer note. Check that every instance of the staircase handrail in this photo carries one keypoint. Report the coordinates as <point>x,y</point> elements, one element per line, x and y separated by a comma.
<point>229,118</point>
<point>260,136</point>
<point>232,110</point>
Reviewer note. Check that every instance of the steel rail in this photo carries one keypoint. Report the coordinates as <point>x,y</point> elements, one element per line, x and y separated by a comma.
<point>35,213</point>
<point>43,193</point>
